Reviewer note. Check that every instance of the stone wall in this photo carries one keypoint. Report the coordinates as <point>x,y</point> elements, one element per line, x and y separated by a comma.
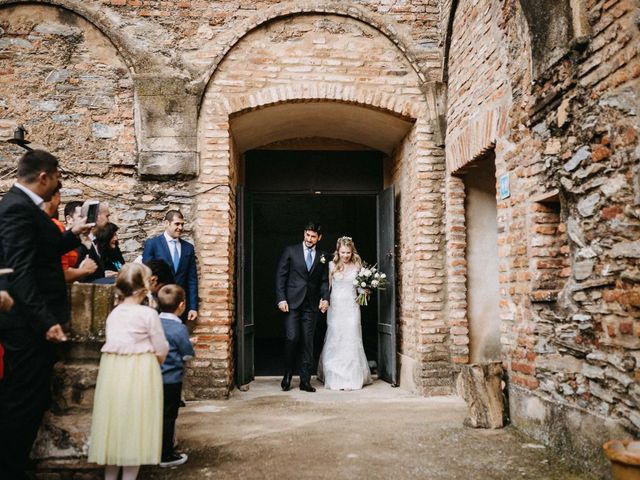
<point>62,442</point>
<point>67,84</point>
<point>568,141</point>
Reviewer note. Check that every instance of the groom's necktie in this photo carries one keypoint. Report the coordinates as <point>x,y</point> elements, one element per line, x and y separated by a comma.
<point>309,259</point>
<point>175,255</point>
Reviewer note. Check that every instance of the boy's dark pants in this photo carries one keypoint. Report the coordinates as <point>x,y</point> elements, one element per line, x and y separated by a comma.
<point>172,393</point>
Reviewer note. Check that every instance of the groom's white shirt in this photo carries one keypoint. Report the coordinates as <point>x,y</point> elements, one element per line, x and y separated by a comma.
<point>313,252</point>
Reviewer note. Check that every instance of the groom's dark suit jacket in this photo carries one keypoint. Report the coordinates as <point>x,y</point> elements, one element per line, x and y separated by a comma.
<point>294,282</point>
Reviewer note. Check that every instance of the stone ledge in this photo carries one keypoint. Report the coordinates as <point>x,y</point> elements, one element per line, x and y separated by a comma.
<point>90,307</point>
<point>168,164</point>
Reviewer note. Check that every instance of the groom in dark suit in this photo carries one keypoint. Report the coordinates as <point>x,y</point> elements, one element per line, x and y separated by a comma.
<point>180,255</point>
<point>302,291</point>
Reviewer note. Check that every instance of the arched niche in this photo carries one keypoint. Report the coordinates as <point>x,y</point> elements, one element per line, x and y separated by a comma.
<point>68,84</point>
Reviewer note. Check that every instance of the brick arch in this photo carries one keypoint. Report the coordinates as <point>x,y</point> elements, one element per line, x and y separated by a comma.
<point>95,17</point>
<point>319,7</point>
<point>408,110</point>
<point>357,123</point>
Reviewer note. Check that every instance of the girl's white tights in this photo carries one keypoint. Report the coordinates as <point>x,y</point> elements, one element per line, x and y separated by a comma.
<point>128,473</point>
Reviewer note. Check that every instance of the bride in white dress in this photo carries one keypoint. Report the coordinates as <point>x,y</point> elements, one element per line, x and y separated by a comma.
<point>343,364</point>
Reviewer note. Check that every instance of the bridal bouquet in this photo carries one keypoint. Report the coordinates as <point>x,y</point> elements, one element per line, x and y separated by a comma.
<point>368,279</point>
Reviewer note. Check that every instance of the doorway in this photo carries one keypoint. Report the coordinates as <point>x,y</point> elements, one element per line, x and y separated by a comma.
<point>278,220</point>
<point>283,190</point>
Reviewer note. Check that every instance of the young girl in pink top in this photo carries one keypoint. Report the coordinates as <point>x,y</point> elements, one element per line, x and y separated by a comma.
<point>126,427</point>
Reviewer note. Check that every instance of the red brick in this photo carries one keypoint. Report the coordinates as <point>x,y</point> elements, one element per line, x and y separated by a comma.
<point>626,328</point>
<point>611,212</point>
<point>599,152</point>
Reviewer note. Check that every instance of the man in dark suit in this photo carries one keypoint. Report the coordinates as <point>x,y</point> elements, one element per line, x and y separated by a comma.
<point>302,291</point>
<point>180,255</point>
<point>30,244</point>
<point>89,248</point>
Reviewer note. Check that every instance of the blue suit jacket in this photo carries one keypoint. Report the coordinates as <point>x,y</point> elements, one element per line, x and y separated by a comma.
<point>187,274</point>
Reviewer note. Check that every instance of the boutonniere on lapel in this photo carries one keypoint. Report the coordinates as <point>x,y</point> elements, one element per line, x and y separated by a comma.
<point>322,259</point>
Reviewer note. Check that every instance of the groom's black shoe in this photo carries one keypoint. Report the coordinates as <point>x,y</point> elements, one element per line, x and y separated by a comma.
<point>307,387</point>
<point>286,382</point>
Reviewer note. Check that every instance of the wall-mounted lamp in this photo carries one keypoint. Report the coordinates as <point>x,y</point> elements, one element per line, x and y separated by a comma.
<point>18,138</point>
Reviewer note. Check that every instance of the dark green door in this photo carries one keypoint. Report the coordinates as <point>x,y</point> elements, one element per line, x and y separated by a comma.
<point>244,328</point>
<point>387,366</point>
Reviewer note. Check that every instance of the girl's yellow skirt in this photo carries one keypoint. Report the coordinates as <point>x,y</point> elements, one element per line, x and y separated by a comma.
<point>126,427</point>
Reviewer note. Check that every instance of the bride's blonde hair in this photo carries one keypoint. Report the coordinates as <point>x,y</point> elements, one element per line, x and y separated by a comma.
<point>337,261</point>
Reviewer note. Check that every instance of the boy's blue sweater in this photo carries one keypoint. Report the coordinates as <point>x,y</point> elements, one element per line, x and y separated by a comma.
<point>180,348</point>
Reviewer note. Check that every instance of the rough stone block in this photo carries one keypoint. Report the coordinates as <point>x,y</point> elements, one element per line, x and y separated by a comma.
<point>481,387</point>
<point>103,300</point>
<point>73,387</point>
<point>62,436</point>
<point>81,309</point>
<point>168,163</point>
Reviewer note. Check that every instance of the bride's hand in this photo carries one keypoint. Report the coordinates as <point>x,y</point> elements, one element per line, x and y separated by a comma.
<point>324,306</point>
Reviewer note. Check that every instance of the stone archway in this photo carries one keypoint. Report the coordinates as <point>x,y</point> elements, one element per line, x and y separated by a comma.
<point>98,19</point>
<point>315,67</point>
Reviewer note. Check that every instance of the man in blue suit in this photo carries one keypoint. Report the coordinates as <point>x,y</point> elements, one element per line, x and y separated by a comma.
<point>179,254</point>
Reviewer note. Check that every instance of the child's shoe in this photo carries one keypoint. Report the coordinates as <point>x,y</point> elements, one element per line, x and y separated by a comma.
<point>174,460</point>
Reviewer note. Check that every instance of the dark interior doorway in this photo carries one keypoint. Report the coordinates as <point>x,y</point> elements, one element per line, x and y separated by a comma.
<point>287,189</point>
<point>278,220</point>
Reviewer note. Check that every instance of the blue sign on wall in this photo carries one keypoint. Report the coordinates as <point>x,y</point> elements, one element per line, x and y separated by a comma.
<point>504,186</point>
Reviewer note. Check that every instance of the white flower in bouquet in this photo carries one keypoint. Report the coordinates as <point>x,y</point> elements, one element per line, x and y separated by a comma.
<point>368,279</point>
<point>383,275</point>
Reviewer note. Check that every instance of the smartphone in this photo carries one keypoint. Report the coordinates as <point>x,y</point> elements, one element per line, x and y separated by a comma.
<point>90,210</point>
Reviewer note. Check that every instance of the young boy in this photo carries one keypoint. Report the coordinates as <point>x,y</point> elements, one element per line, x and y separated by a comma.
<point>171,302</point>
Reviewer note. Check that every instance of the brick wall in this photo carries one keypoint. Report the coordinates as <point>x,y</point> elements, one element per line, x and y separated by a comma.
<point>568,140</point>
<point>478,101</point>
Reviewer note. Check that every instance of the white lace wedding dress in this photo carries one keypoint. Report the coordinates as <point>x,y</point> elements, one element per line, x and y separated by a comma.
<point>343,364</point>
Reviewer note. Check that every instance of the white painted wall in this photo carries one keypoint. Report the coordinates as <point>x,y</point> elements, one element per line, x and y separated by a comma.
<point>482,262</point>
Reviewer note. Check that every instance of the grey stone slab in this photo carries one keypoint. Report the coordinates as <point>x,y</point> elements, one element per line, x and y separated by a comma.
<point>168,163</point>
